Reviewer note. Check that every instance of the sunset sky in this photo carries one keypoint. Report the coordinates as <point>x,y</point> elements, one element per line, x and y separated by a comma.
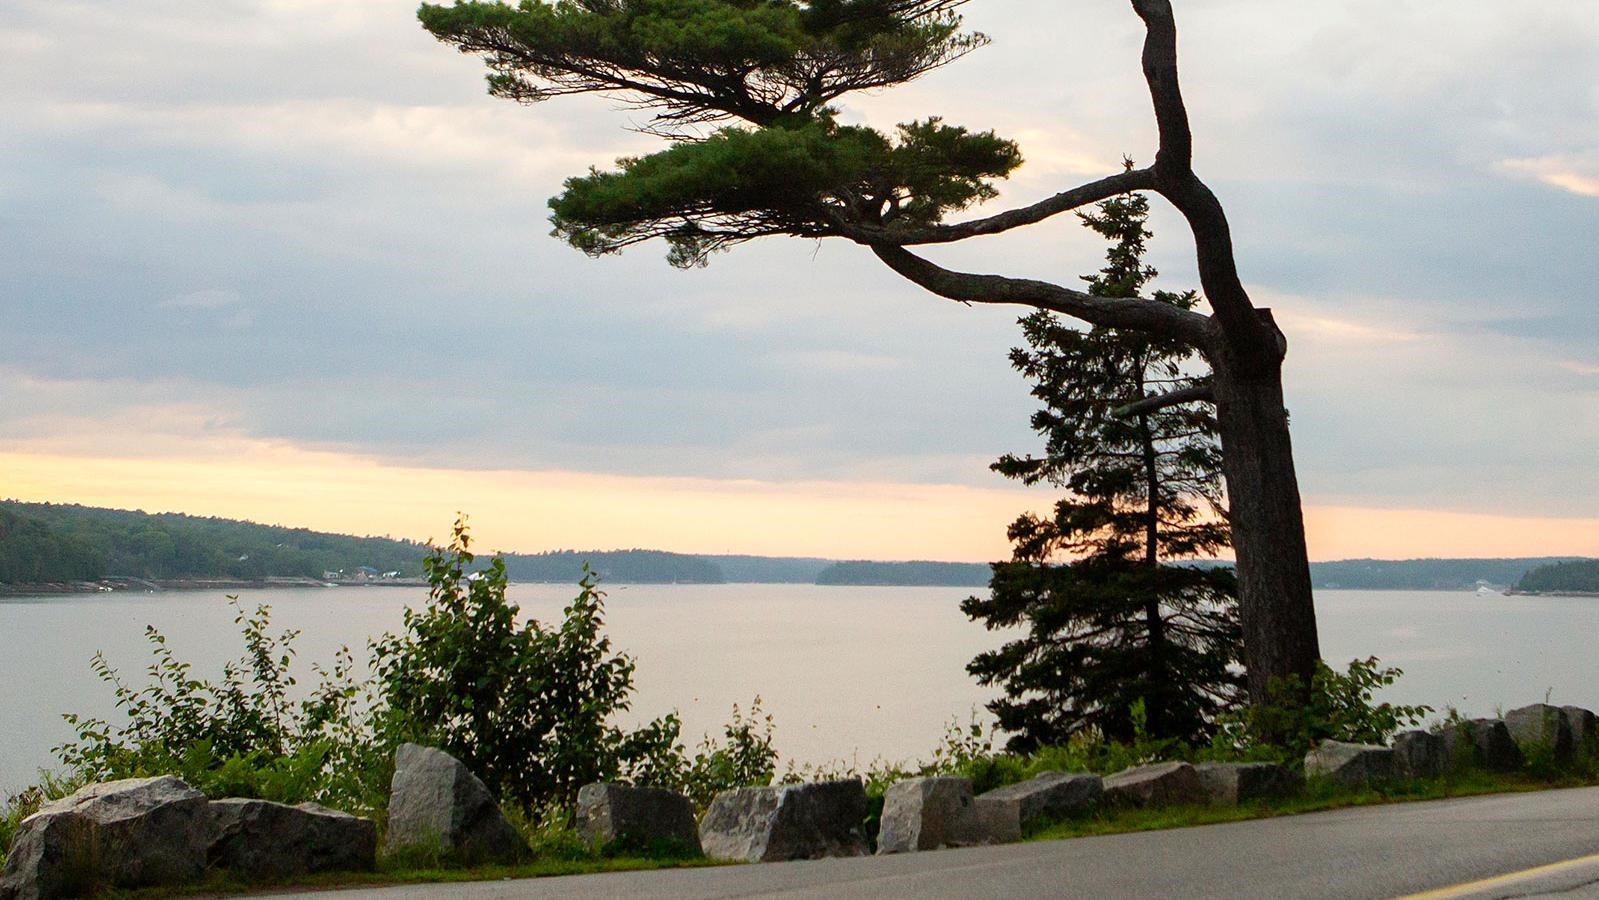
<point>286,261</point>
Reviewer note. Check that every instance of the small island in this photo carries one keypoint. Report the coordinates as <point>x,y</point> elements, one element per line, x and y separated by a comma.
<point>1573,578</point>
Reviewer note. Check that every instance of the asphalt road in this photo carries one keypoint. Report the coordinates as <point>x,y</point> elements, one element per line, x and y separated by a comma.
<point>1370,852</point>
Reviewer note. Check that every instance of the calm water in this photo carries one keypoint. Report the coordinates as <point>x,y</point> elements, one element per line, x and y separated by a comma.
<point>848,672</point>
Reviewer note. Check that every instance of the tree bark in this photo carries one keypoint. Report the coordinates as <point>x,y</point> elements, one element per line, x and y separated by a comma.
<point>1275,605</point>
<point>1154,700</point>
<point>1246,354</point>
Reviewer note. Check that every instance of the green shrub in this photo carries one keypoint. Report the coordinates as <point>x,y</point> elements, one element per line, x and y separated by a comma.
<point>1338,706</point>
<point>745,758</point>
<point>241,736</point>
<point>527,708</point>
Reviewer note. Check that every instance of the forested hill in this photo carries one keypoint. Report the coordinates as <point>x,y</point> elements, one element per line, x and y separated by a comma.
<point>49,542</point>
<point>613,566</point>
<point>42,543</point>
<point>1575,576</point>
<point>31,552</point>
<point>1423,574</point>
<point>920,574</point>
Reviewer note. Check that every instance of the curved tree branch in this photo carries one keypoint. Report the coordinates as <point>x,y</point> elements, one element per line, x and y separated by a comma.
<point>1065,201</point>
<point>1176,152</point>
<point>1194,394</point>
<point>1251,340</point>
<point>1150,316</point>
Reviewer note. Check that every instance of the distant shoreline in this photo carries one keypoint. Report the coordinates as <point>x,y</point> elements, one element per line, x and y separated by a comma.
<point>129,586</point>
<point>150,586</point>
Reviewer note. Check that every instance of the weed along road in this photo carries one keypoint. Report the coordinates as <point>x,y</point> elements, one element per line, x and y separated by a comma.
<point>1547,843</point>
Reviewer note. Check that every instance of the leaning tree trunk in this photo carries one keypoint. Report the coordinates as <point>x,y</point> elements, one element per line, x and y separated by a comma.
<point>1243,345</point>
<point>1274,597</point>
<point>1246,354</point>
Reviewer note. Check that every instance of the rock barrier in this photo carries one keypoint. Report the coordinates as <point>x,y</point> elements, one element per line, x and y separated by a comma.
<point>137,832</point>
<point>1234,783</point>
<point>157,832</point>
<point>1159,784</point>
<point>1541,728</point>
<point>637,817</point>
<point>437,805</point>
<point>1482,743</point>
<point>937,812</point>
<point>261,839</point>
<point>1584,730</point>
<point>153,832</point>
<point>1420,754</point>
<point>1352,765</point>
<point>795,821</point>
<point>1050,795</point>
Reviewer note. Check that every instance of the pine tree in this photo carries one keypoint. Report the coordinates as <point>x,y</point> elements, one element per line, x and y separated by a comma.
<point>1119,632</point>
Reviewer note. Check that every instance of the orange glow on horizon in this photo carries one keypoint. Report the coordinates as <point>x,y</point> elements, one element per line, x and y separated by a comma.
<point>529,511</point>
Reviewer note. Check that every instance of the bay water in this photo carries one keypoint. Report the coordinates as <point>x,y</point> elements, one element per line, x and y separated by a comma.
<point>848,673</point>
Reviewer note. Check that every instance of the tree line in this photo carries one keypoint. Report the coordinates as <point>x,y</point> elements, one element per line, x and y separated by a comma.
<point>1581,575</point>
<point>51,542</point>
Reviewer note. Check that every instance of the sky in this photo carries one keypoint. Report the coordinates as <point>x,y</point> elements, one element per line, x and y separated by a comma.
<point>287,261</point>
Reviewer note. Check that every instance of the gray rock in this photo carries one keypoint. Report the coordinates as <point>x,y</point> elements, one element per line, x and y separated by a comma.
<point>1050,795</point>
<point>1420,754</point>
<point>1584,731</point>
<point>1542,728</point>
<point>931,813</point>
<point>138,832</point>
<point>1229,784</point>
<point>261,839</point>
<point>991,822</point>
<point>436,804</point>
<point>1352,765</point>
<point>1483,743</point>
<point>1161,784</point>
<point>795,821</point>
<point>637,817</point>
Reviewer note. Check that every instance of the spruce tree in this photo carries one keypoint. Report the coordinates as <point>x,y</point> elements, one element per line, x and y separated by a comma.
<point>1120,627</point>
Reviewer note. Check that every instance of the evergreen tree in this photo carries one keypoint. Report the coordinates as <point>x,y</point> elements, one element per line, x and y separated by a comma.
<point>1119,628</point>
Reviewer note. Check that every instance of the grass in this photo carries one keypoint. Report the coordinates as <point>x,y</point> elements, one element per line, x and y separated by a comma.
<point>19,806</point>
<point>1316,797</point>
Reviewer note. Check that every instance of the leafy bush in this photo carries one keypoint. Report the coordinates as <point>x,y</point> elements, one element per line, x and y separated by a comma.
<point>1337,707</point>
<point>242,736</point>
<point>746,759</point>
<point>527,708</point>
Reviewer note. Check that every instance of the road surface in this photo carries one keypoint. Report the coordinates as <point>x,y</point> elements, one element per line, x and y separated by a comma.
<point>1447,847</point>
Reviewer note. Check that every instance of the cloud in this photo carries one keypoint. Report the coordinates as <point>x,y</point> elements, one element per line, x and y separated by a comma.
<point>207,299</point>
<point>840,361</point>
<point>1575,174</point>
<point>1367,321</point>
